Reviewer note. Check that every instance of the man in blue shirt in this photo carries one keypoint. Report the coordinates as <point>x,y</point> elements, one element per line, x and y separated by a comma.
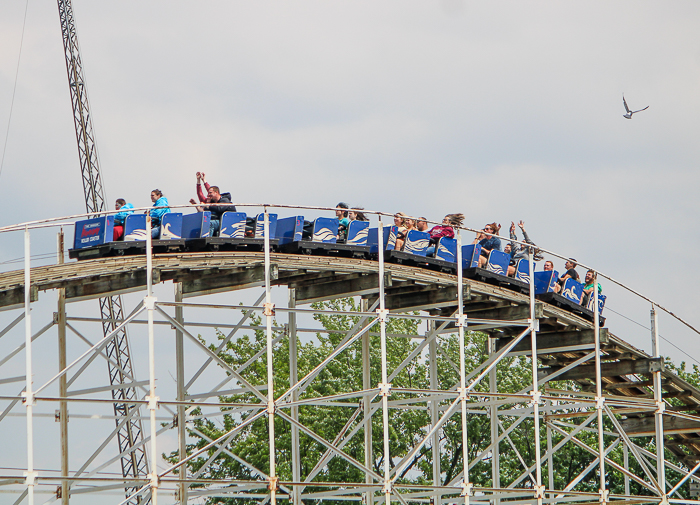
<point>120,217</point>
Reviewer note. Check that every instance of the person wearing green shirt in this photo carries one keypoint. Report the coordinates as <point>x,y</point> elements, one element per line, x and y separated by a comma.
<point>588,285</point>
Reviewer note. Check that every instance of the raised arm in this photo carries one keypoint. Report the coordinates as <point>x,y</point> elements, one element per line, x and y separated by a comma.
<point>513,246</point>
<point>525,236</point>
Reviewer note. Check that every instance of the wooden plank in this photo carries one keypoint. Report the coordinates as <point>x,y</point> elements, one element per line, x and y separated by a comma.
<point>331,277</point>
<point>339,286</point>
<point>684,441</point>
<point>508,313</point>
<point>644,426</point>
<point>116,283</point>
<point>636,384</point>
<point>609,369</point>
<point>14,298</point>
<point>418,298</point>
<point>241,278</point>
<point>547,341</point>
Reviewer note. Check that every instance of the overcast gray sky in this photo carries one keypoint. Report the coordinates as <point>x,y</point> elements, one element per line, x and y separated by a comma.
<point>500,110</point>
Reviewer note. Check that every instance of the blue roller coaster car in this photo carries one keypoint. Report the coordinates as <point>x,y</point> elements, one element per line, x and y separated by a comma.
<point>294,235</point>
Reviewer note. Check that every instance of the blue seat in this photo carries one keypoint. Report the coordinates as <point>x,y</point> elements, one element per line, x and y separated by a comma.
<point>545,281</point>
<point>171,226</point>
<point>572,290</point>
<point>601,302</point>
<point>498,262</point>
<point>522,271</point>
<point>446,249</point>
<point>196,225</point>
<point>95,231</point>
<point>325,230</point>
<point>470,255</point>
<point>357,233</point>
<point>416,242</point>
<point>233,225</point>
<point>389,238</point>
<point>393,233</point>
<point>289,229</point>
<point>135,228</point>
<point>260,225</point>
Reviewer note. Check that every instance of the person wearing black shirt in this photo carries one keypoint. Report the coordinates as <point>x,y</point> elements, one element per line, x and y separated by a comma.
<point>217,211</point>
<point>571,273</point>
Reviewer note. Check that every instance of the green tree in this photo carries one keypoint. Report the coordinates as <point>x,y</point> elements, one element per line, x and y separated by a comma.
<point>408,427</point>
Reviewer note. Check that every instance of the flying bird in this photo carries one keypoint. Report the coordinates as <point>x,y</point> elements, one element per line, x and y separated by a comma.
<point>629,112</point>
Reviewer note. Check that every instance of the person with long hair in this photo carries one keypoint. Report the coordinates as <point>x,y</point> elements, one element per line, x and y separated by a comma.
<point>356,214</point>
<point>488,240</point>
<point>405,225</point>
<point>446,229</point>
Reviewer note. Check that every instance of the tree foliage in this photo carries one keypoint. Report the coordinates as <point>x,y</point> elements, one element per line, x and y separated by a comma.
<point>407,426</point>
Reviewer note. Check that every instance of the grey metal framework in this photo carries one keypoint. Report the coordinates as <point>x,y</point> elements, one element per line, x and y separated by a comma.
<point>134,462</point>
<point>624,394</point>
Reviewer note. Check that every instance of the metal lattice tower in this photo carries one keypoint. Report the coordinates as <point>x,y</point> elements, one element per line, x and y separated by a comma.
<point>133,460</point>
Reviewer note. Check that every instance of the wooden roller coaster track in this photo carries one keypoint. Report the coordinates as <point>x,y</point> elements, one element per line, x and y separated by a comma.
<point>565,340</point>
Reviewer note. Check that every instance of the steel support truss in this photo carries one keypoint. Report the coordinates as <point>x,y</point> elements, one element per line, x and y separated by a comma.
<point>492,465</point>
<point>134,464</point>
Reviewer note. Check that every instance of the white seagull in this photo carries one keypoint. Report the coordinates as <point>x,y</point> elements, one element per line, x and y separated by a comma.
<point>629,112</point>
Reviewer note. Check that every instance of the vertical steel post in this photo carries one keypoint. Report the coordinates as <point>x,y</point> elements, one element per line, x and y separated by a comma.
<point>293,379</point>
<point>150,301</point>
<point>599,399</point>
<point>181,410</point>
<point>493,411</point>
<point>626,461</point>
<point>29,392</point>
<point>534,327</point>
<point>466,485</point>
<point>658,398</point>
<point>550,458</point>
<point>434,410</point>
<point>62,388</point>
<point>270,365</point>
<point>367,405</point>
<point>384,387</point>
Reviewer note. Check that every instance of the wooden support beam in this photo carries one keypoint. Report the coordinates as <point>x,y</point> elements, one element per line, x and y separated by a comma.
<point>558,341</point>
<point>683,441</point>
<point>240,278</point>
<point>508,313</point>
<point>314,279</point>
<point>676,394</point>
<point>338,286</point>
<point>14,298</point>
<point>118,283</point>
<point>636,384</point>
<point>609,369</point>
<point>418,297</point>
<point>683,408</point>
<point>293,277</point>
<point>644,426</point>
